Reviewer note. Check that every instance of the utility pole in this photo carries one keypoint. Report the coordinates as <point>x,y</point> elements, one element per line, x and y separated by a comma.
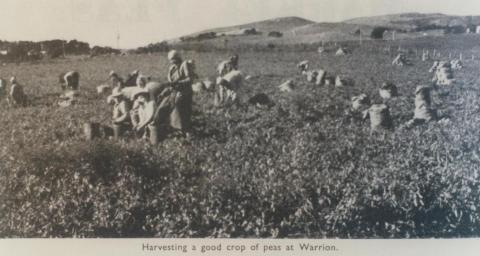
<point>118,39</point>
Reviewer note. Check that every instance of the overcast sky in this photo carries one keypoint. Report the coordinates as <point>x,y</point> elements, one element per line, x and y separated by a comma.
<point>140,22</point>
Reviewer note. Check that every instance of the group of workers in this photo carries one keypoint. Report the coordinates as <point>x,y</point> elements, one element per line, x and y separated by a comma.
<point>145,112</point>
<point>151,107</point>
<point>146,107</point>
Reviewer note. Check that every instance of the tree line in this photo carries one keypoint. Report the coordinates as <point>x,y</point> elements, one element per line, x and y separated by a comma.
<point>28,50</point>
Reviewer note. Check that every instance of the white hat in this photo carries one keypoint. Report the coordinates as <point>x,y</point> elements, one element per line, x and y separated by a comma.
<point>13,79</point>
<point>140,92</point>
<point>116,93</point>
<point>172,54</point>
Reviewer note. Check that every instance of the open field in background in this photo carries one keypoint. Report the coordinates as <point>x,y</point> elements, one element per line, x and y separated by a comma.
<point>303,168</point>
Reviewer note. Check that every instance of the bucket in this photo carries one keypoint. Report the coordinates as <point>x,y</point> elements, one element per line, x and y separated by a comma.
<point>380,117</point>
<point>154,134</point>
<point>423,110</point>
<point>91,130</point>
<point>117,131</point>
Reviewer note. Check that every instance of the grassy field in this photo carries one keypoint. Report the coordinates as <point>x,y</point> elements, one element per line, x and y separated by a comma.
<point>306,167</point>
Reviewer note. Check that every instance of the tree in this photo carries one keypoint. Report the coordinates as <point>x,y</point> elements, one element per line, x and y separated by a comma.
<point>377,32</point>
<point>275,34</point>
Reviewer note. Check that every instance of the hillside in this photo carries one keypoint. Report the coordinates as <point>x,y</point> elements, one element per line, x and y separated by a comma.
<point>415,21</point>
<point>282,24</point>
<point>295,30</point>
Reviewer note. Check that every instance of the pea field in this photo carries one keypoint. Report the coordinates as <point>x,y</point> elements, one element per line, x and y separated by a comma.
<point>305,167</point>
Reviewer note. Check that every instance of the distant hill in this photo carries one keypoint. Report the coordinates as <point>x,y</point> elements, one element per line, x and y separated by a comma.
<point>415,21</point>
<point>278,24</point>
<point>295,30</point>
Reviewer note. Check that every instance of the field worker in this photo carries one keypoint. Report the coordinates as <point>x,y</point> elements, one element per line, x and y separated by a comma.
<point>69,80</point>
<point>132,78</point>
<point>3,88</point>
<point>234,62</point>
<point>176,99</point>
<point>141,81</point>
<point>121,109</point>
<point>228,65</point>
<point>227,88</point>
<point>17,96</point>
<point>72,80</point>
<point>144,110</point>
<point>116,80</point>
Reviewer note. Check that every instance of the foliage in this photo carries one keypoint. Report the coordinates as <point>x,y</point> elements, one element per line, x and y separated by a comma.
<point>377,32</point>
<point>306,167</point>
<point>275,34</point>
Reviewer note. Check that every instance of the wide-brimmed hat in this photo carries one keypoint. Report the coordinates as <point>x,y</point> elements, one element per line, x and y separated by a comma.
<point>116,93</point>
<point>112,74</point>
<point>136,94</point>
<point>173,54</point>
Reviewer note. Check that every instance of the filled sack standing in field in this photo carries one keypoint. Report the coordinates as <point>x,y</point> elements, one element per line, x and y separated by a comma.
<point>320,79</point>
<point>425,56</point>
<point>93,130</point>
<point>261,100</point>
<point>400,60</point>
<point>341,81</point>
<point>303,66</point>
<point>380,118</point>
<point>341,52</point>
<point>456,64</point>
<point>287,86</point>
<point>329,80</point>
<point>388,90</point>
<point>443,74</point>
<point>423,109</point>
<point>311,76</point>
<point>360,102</point>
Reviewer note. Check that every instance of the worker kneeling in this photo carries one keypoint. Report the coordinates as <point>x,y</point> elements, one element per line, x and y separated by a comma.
<point>121,114</point>
<point>227,88</point>
<point>142,116</point>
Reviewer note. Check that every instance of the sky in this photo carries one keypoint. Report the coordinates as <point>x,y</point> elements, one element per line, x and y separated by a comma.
<point>140,22</point>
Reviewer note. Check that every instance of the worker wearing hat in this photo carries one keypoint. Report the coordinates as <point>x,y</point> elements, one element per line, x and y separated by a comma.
<point>17,96</point>
<point>121,109</point>
<point>116,80</point>
<point>144,109</point>
<point>176,101</point>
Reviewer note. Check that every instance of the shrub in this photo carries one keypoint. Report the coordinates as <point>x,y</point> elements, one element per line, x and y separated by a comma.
<point>275,34</point>
<point>377,32</point>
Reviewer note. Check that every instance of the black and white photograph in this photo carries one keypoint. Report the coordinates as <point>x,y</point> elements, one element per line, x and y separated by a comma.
<point>278,119</point>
